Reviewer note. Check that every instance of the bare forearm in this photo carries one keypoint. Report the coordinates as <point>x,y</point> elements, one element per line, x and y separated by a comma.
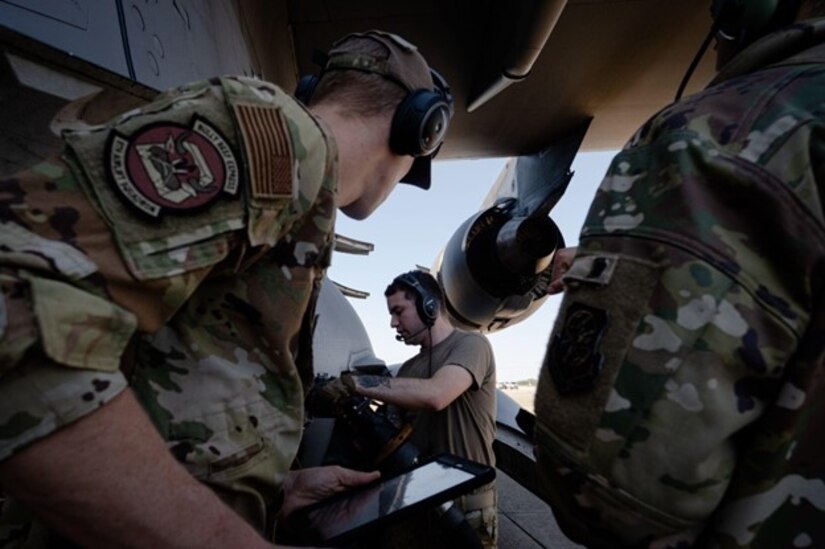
<point>409,393</point>
<point>108,480</point>
<point>434,393</point>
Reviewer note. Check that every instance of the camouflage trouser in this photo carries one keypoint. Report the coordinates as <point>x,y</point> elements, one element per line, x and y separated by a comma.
<point>485,523</point>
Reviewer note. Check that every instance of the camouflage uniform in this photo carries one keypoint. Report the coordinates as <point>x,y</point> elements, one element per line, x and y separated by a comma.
<point>681,396</point>
<point>202,224</point>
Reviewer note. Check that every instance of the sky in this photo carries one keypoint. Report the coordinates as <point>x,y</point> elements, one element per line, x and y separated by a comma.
<point>412,226</point>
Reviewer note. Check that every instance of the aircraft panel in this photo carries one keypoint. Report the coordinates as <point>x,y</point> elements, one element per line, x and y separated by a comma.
<point>87,28</point>
<point>340,340</point>
<point>307,11</point>
<point>172,43</point>
<point>617,61</point>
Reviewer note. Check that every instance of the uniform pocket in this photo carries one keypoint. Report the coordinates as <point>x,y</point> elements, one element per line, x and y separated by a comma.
<point>18,328</point>
<point>79,329</point>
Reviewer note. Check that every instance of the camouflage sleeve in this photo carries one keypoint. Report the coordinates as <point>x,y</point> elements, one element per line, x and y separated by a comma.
<point>682,313</point>
<point>60,350</point>
<point>121,231</point>
<point>61,336</point>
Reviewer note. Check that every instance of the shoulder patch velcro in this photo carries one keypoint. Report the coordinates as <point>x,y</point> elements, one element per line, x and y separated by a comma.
<point>575,362</point>
<point>268,149</point>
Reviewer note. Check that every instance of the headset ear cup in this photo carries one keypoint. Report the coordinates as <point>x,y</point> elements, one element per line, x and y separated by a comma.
<point>725,14</point>
<point>420,123</point>
<point>430,306</point>
<point>305,88</point>
<point>746,20</point>
<point>426,304</point>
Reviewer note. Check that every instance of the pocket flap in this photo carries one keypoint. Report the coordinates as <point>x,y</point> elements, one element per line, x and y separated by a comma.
<point>79,329</point>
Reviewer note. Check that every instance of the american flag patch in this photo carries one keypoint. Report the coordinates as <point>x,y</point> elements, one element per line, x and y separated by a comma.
<point>268,150</point>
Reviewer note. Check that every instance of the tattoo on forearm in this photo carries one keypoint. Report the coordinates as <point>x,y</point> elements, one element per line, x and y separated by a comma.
<point>369,382</point>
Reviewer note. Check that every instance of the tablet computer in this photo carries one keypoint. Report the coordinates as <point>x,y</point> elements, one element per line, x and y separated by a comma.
<point>352,514</point>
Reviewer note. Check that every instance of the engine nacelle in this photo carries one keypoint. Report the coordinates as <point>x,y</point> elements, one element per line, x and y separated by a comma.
<point>496,268</point>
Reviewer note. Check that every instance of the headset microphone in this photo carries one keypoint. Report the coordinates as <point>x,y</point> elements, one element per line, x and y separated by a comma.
<point>404,339</point>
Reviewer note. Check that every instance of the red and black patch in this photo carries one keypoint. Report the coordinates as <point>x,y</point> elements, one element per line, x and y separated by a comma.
<point>574,360</point>
<point>166,167</point>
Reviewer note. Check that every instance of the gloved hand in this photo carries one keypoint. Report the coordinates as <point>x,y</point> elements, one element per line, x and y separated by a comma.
<point>340,388</point>
<point>331,397</point>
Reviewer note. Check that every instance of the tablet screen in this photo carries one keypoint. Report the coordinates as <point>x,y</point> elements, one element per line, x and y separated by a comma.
<point>389,496</point>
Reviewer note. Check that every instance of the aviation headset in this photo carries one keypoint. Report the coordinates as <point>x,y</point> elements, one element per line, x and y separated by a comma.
<point>420,121</point>
<point>743,21</point>
<point>426,303</point>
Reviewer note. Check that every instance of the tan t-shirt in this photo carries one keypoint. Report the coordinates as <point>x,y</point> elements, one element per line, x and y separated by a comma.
<point>467,426</point>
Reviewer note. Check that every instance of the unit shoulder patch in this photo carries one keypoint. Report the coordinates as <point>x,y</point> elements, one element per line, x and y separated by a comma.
<point>575,362</point>
<point>167,167</point>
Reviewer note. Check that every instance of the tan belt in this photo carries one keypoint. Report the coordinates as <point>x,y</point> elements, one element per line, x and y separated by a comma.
<point>480,499</point>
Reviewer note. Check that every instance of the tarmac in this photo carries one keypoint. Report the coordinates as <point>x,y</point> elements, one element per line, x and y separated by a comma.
<point>524,520</point>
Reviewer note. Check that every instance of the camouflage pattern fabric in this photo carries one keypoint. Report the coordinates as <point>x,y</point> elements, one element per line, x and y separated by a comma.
<point>681,400</point>
<point>485,520</point>
<point>201,223</point>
